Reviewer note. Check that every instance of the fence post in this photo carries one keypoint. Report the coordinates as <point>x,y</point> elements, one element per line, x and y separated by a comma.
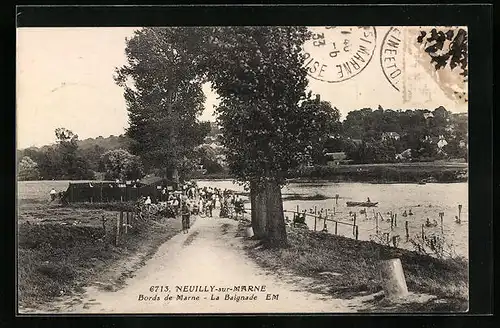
<point>126,222</point>
<point>103,224</point>
<point>407,233</point>
<point>315,222</point>
<point>336,199</point>
<point>441,214</point>
<point>423,234</point>
<point>396,220</point>
<point>353,228</point>
<point>376,223</point>
<point>118,223</point>
<point>459,212</point>
<point>392,221</point>
<point>357,232</point>
<point>393,278</point>
<point>298,209</point>
<point>336,223</point>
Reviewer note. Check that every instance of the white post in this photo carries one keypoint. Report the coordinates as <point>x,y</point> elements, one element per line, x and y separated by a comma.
<point>393,279</point>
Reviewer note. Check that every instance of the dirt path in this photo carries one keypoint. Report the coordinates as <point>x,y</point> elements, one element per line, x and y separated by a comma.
<point>210,255</point>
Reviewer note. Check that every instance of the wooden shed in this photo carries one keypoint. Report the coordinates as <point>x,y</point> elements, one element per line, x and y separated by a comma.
<point>113,191</point>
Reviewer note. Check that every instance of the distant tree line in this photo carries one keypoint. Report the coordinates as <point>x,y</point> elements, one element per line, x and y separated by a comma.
<point>100,158</point>
<point>385,136</point>
<point>366,136</point>
<point>72,159</point>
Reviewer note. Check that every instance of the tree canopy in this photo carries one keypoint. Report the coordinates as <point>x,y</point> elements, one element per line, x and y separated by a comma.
<point>163,97</point>
<point>120,164</point>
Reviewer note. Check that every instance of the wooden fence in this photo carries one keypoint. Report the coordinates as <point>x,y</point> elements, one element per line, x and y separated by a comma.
<point>125,222</point>
<point>327,218</point>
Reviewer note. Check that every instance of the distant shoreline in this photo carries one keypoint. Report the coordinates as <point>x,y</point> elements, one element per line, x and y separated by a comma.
<point>391,173</point>
<point>410,173</point>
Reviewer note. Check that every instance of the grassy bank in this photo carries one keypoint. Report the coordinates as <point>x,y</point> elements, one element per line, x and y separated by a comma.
<point>346,268</point>
<point>63,249</point>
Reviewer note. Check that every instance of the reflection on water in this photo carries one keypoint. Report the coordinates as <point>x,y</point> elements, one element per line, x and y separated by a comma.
<point>425,201</point>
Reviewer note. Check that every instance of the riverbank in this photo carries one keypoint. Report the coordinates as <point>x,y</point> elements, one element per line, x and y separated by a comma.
<point>440,172</point>
<point>345,268</point>
<point>62,250</point>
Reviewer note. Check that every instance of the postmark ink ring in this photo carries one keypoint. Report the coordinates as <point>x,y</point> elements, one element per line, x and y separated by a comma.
<point>335,54</point>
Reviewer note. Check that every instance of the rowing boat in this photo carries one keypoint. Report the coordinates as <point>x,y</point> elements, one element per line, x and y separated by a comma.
<point>363,204</point>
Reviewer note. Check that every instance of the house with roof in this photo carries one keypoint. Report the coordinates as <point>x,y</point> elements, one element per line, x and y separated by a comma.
<point>390,136</point>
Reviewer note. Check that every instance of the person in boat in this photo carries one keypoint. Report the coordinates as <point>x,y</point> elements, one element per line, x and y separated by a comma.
<point>405,214</point>
<point>428,223</point>
<point>457,220</point>
<point>435,223</point>
<point>368,200</point>
<point>410,213</point>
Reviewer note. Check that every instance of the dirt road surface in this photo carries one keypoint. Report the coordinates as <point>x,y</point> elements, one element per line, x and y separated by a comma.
<point>210,256</point>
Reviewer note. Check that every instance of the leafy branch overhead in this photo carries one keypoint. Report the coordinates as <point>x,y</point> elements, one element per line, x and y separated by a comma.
<point>446,48</point>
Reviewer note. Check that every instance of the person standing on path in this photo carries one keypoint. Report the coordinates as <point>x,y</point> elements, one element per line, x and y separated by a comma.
<point>185,217</point>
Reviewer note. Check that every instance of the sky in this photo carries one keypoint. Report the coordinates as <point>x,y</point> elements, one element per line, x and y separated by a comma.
<point>65,79</point>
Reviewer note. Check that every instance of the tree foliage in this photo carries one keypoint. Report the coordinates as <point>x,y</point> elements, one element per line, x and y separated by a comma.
<point>64,160</point>
<point>28,169</point>
<point>120,164</point>
<point>446,48</point>
<point>260,79</point>
<point>163,97</point>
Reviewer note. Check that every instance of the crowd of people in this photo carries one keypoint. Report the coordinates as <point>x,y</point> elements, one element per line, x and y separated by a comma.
<point>190,199</point>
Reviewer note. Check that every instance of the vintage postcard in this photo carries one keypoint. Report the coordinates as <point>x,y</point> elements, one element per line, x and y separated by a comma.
<point>265,169</point>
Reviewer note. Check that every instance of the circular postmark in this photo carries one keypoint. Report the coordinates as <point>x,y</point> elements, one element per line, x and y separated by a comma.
<point>335,54</point>
<point>392,56</point>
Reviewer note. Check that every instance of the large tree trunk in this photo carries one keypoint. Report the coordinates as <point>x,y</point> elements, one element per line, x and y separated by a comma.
<point>275,227</point>
<point>257,200</point>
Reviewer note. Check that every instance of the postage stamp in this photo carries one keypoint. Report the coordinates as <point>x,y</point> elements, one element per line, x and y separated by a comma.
<point>418,60</point>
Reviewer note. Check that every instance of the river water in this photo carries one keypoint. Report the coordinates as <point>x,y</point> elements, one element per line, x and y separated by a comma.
<point>424,201</point>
